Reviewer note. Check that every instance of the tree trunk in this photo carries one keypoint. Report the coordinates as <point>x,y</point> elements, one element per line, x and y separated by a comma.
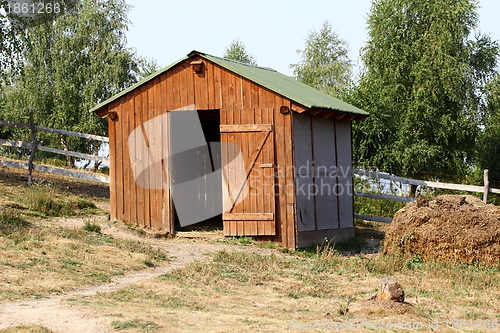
<point>96,166</point>
<point>70,161</point>
<point>413,190</point>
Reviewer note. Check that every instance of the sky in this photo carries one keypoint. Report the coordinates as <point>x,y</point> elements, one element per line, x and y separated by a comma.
<point>272,30</point>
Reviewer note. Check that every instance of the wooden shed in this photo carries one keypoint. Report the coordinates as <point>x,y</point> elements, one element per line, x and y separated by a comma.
<point>290,143</point>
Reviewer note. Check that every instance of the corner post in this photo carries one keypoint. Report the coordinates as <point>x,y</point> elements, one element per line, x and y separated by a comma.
<point>33,149</point>
<point>486,186</point>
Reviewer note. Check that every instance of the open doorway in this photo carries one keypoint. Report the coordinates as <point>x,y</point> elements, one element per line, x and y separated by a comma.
<point>199,165</point>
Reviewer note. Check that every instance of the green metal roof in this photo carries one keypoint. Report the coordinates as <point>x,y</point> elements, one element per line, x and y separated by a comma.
<point>268,78</point>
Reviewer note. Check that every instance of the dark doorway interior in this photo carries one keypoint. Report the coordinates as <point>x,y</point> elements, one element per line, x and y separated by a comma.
<point>209,160</point>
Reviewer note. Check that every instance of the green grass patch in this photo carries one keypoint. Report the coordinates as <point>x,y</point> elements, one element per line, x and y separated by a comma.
<point>26,329</point>
<point>91,227</point>
<point>144,326</point>
<point>51,202</point>
<point>10,219</point>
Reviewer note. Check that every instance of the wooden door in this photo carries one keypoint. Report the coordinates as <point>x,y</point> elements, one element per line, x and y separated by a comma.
<point>248,179</point>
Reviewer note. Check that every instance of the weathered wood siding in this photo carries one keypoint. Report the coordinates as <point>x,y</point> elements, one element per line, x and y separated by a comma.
<point>323,167</point>
<point>215,88</point>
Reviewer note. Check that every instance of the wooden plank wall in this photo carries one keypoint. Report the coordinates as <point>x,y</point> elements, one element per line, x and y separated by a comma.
<point>257,151</point>
<point>213,88</point>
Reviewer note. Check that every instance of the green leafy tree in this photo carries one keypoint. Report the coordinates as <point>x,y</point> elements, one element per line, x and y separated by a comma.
<point>70,65</point>
<point>237,51</point>
<point>489,141</point>
<point>422,84</point>
<point>13,27</point>
<point>324,63</point>
<point>10,45</point>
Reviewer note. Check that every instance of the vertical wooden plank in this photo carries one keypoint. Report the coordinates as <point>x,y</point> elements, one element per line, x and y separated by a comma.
<point>248,146</point>
<point>178,99</point>
<point>119,170</point>
<point>145,116</point>
<point>248,117</point>
<point>228,103</point>
<point>173,99</point>
<point>281,175</point>
<point>238,92</point>
<point>267,174</point>
<point>128,179</point>
<point>201,88</point>
<point>155,176</point>
<point>246,92</point>
<point>218,89</point>
<point>232,225</point>
<point>181,85</point>
<point>270,174</point>
<point>229,90</point>
<point>255,90</point>
<point>132,186</point>
<point>286,178</point>
<point>167,104</point>
<point>224,161</point>
<point>160,182</point>
<point>210,86</point>
<point>139,157</point>
<point>239,208</point>
<point>272,159</point>
<point>190,89</point>
<point>163,200</point>
<point>259,192</point>
<point>113,159</point>
<point>290,193</point>
<point>255,184</point>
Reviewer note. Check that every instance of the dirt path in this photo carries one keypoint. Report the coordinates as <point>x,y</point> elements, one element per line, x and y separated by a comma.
<point>57,315</point>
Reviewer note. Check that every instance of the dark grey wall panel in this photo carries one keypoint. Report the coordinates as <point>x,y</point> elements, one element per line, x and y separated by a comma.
<point>325,165</point>
<point>326,203</point>
<point>306,220</point>
<point>303,155</point>
<point>324,145</point>
<point>302,142</point>
<point>345,173</point>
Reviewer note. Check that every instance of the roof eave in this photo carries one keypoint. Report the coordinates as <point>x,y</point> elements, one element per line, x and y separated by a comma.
<point>337,114</point>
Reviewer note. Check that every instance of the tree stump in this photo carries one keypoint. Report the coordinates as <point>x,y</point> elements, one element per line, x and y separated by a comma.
<point>390,290</point>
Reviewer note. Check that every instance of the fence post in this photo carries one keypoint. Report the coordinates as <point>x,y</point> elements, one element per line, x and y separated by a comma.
<point>33,149</point>
<point>486,186</point>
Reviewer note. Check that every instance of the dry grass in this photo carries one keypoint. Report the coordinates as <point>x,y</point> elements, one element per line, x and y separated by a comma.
<point>38,260</point>
<point>249,292</point>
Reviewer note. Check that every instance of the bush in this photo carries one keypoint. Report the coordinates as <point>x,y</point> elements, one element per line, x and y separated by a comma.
<point>45,199</point>
<point>92,227</point>
<point>10,221</point>
<point>10,218</point>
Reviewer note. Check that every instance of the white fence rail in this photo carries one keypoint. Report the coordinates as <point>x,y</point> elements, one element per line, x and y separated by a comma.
<point>33,146</point>
<point>486,189</point>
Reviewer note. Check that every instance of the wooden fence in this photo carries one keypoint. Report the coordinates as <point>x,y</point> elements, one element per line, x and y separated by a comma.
<point>486,189</point>
<point>33,146</point>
